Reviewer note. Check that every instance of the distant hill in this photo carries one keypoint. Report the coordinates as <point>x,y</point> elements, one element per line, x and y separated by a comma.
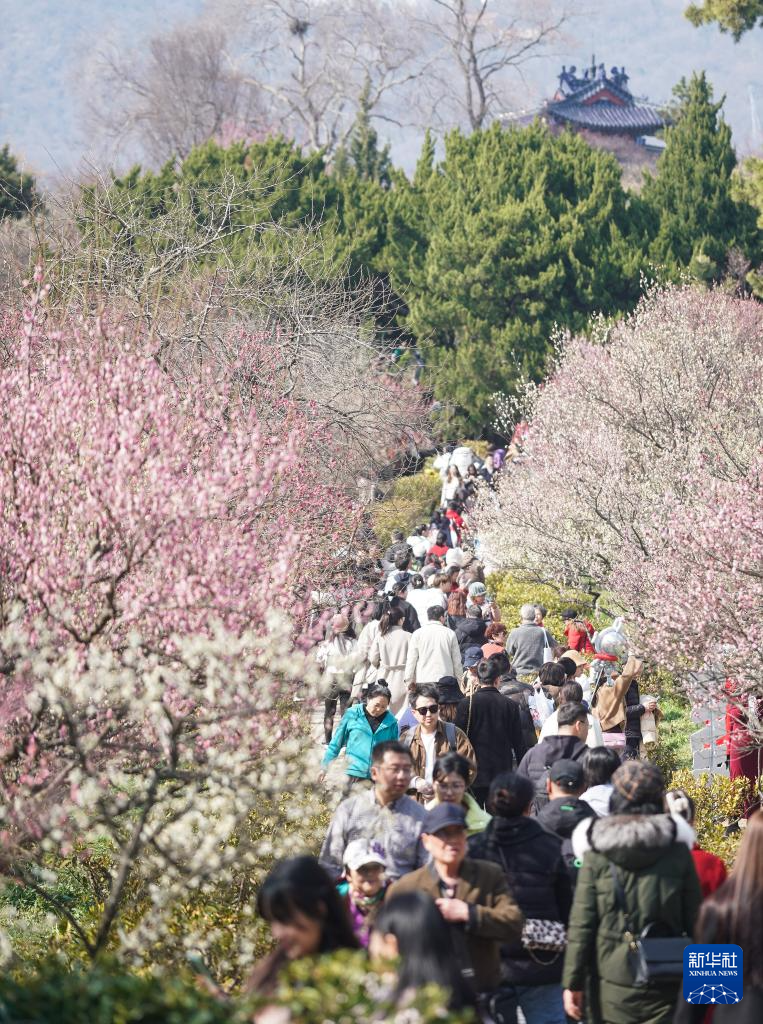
<point>46,44</point>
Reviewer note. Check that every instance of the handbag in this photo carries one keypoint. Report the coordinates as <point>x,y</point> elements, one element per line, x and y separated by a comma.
<point>539,934</point>
<point>654,959</point>
<point>548,650</point>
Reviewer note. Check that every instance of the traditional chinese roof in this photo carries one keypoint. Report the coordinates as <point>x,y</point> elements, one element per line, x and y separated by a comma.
<point>602,102</point>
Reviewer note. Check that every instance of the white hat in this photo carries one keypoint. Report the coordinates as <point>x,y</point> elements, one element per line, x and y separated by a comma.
<point>454,556</point>
<point>359,853</point>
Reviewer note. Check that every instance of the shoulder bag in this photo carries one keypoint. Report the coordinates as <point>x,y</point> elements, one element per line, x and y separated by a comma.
<point>654,959</point>
<point>540,934</point>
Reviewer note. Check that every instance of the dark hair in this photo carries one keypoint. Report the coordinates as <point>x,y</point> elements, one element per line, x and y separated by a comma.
<point>620,804</point>
<point>388,747</point>
<point>571,693</point>
<point>557,651</point>
<point>552,674</point>
<point>473,611</point>
<point>435,611</point>
<point>728,914</point>
<point>425,690</point>
<point>599,765</point>
<point>570,713</point>
<point>300,885</point>
<point>427,956</point>
<point>488,671</point>
<point>417,581</point>
<point>452,762</point>
<point>393,616</point>
<point>510,795</point>
<point>569,666</point>
<point>377,689</point>
<point>403,561</point>
<point>398,535</point>
<point>501,659</point>
<point>441,540</point>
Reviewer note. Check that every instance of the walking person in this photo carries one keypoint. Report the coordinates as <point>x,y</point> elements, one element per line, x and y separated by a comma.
<point>451,777</point>
<point>337,656</point>
<point>433,651</point>
<point>306,916</point>
<point>493,726</point>
<point>470,631</point>
<point>637,871</point>
<point>471,895</point>
<point>599,765</point>
<point>430,739</point>
<point>569,743</point>
<point>410,934</point>
<point>383,814</point>
<point>710,869</point>
<point>732,915</point>
<point>572,693</point>
<point>527,643</point>
<point>538,880</point>
<point>388,654</point>
<point>363,727</point>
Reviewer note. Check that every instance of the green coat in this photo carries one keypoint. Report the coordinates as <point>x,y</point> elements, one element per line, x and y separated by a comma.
<point>652,855</point>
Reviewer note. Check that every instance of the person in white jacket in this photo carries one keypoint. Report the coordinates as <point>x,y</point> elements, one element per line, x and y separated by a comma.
<point>573,693</point>
<point>389,652</point>
<point>432,652</point>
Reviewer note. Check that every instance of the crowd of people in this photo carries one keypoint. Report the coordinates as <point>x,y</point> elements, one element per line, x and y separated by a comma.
<point>501,830</point>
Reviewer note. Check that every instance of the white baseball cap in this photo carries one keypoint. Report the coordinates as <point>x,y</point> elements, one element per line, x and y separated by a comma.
<point>359,853</point>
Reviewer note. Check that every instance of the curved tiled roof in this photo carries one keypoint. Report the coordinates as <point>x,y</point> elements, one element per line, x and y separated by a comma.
<point>605,116</point>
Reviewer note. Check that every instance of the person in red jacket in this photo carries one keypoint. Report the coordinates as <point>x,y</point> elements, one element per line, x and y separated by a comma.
<point>710,869</point>
<point>578,631</point>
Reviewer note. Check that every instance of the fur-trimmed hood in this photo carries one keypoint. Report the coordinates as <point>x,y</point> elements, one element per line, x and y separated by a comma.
<point>632,841</point>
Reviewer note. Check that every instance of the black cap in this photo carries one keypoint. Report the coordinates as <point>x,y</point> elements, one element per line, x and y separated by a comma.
<point>566,773</point>
<point>569,613</point>
<point>442,816</point>
<point>448,690</point>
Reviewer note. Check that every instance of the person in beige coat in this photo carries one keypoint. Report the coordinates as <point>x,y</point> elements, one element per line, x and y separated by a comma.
<point>608,702</point>
<point>388,654</point>
<point>433,652</point>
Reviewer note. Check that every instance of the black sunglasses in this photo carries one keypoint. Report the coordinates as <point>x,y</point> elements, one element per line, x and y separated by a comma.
<point>432,709</point>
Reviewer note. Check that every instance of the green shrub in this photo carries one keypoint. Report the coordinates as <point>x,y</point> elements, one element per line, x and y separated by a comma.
<point>103,995</point>
<point>338,987</point>
<point>511,593</point>
<point>341,987</point>
<point>672,751</point>
<point>719,801</point>
<point>409,502</point>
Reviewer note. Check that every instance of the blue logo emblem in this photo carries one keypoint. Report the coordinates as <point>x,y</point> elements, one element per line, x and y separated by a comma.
<point>713,973</point>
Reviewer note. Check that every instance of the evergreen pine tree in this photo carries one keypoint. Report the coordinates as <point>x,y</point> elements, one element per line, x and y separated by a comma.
<point>695,216</point>
<point>17,190</point>
<point>361,154</point>
<point>515,231</point>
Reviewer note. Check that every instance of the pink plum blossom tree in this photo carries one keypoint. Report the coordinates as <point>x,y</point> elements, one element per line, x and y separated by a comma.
<point>158,545</point>
<point>699,598</point>
<point>647,411</point>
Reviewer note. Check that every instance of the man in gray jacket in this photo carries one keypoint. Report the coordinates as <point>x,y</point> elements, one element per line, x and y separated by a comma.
<point>525,644</point>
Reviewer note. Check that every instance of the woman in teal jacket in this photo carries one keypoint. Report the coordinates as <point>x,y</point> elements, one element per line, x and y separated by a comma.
<point>362,727</point>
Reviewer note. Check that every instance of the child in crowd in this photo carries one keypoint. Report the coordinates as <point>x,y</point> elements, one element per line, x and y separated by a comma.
<point>364,885</point>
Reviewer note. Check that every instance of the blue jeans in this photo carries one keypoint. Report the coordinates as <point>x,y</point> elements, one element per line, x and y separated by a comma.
<point>541,1004</point>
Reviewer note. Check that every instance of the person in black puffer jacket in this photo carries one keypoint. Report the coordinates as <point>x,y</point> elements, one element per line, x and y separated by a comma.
<point>569,743</point>
<point>470,632</point>
<point>565,810</point>
<point>538,881</point>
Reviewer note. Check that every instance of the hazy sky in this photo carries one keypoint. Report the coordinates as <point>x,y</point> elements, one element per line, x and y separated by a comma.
<point>46,46</point>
